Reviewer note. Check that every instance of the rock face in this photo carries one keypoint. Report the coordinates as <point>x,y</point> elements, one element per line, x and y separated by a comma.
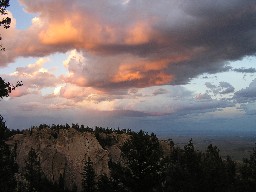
<point>62,153</point>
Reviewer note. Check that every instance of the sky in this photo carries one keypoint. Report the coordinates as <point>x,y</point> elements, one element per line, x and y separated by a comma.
<point>163,66</point>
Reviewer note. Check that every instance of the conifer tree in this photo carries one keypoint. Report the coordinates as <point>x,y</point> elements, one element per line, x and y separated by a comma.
<point>33,172</point>
<point>248,173</point>
<point>88,182</point>
<point>8,166</point>
<point>142,156</point>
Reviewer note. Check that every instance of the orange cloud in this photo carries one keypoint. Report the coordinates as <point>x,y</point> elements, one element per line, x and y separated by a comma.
<point>77,80</point>
<point>128,76</point>
<point>59,33</point>
<point>125,71</point>
<point>161,79</point>
<point>146,72</point>
<point>160,39</point>
<point>72,92</point>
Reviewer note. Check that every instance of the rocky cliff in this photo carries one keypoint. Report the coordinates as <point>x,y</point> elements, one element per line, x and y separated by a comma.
<point>63,152</point>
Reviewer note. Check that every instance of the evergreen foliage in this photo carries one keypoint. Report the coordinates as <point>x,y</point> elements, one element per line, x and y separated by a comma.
<point>33,172</point>
<point>144,167</point>
<point>6,21</point>
<point>8,166</point>
<point>88,182</point>
<point>142,158</point>
<point>248,173</point>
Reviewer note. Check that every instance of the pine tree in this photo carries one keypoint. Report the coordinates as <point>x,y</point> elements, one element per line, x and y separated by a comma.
<point>105,184</point>
<point>142,156</point>
<point>8,166</point>
<point>33,172</point>
<point>88,182</point>
<point>248,173</point>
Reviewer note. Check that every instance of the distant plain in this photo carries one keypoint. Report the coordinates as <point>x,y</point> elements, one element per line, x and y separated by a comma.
<point>236,147</point>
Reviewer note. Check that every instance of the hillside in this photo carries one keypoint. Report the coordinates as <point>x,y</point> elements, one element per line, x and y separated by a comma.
<point>78,158</point>
<point>63,151</point>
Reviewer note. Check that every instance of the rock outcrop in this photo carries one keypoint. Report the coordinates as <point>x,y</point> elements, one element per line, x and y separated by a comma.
<point>62,153</point>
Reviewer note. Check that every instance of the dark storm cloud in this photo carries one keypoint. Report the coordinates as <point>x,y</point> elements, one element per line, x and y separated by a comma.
<point>223,31</point>
<point>210,34</point>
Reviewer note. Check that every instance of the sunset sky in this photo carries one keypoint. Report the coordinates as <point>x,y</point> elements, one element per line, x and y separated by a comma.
<point>157,65</point>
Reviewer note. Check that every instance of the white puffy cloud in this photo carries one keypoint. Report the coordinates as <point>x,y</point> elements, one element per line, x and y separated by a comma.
<point>34,78</point>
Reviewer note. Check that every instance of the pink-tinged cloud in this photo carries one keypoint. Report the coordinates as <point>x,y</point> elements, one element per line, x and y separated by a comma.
<point>136,43</point>
<point>76,93</point>
<point>118,72</point>
<point>34,78</point>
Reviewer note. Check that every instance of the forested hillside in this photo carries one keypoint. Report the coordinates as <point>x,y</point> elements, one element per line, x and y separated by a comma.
<point>145,163</point>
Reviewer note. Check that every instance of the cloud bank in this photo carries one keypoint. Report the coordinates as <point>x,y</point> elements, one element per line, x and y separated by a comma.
<point>137,43</point>
<point>122,57</point>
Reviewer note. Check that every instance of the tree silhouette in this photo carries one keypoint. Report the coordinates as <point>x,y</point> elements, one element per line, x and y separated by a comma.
<point>88,182</point>
<point>248,173</point>
<point>33,172</point>
<point>183,169</point>
<point>214,170</point>
<point>8,166</point>
<point>6,88</point>
<point>142,156</point>
<point>6,21</point>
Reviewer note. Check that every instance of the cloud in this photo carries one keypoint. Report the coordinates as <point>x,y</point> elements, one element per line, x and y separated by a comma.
<point>204,106</point>
<point>114,72</point>
<point>222,89</point>
<point>245,70</point>
<point>34,78</point>
<point>210,85</point>
<point>122,56</point>
<point>31,106</point>
<point>174,100</point>
<point>85,95</point>
<point>137,43</point>
<point>226,88</point>
<point>246,95</point>
<point>152,101</point>
<point>204,96</point>
<point>160,91</point>
<point>249,109</point>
